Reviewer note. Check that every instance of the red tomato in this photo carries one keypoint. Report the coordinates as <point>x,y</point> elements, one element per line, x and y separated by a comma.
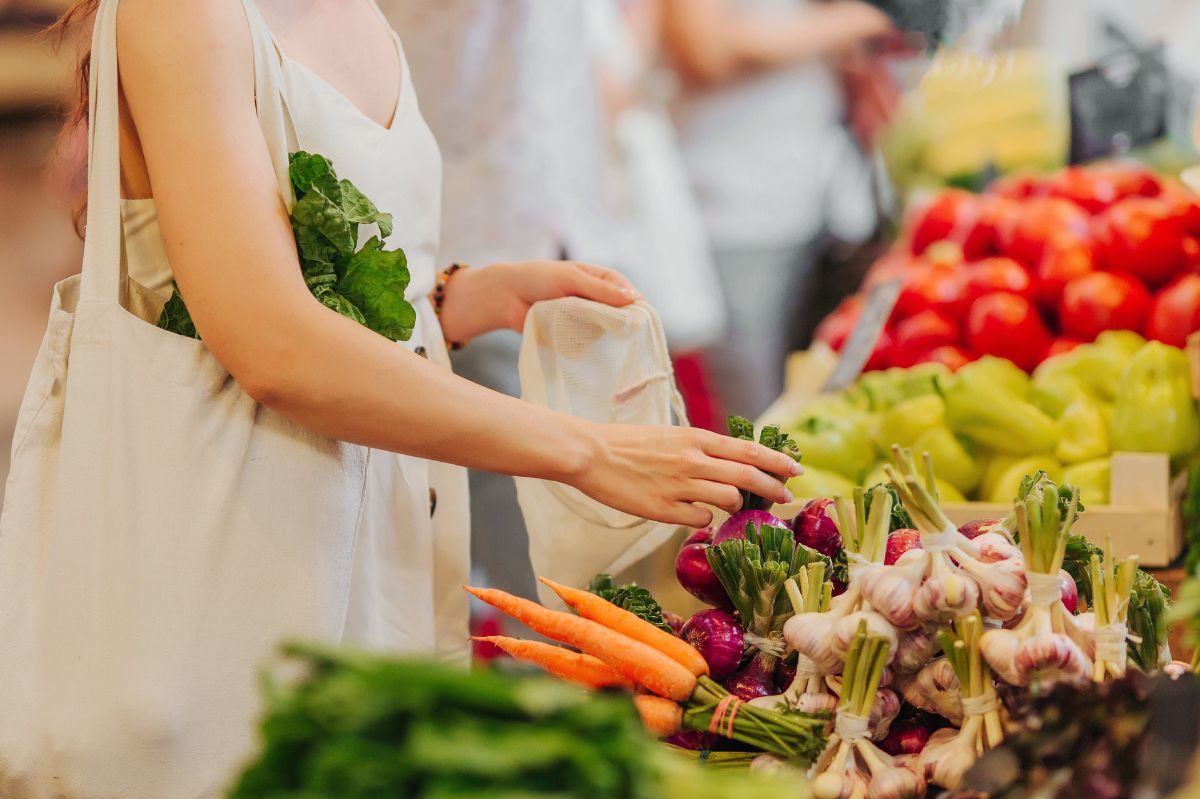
<point>950,356</point>
<point>1175,311</point>
<point>881,356</point>
<point>1063,260</point>
<point>1007,326</point>
<point>1042,220</point>
<point>1102,301</point>
<point>1020,186</point>
<point>915,336</point>
<point>1184,203</point>
<point>835,328</point>
<point>930,286</point>
<point>1143,237</point>
<point>1093,190</point>
<point>1061,345</point>
<point>1132,179</point>
<point>995,274</point>
<point>1191,252</point>
<point>896,263</point>
<point>953,215</point>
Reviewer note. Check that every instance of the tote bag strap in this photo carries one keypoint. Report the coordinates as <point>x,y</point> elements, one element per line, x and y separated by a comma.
<point>103,267</point>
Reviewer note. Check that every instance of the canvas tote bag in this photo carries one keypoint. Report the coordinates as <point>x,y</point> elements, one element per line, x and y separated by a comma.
<point>607,365</point>
<point>161,531</point>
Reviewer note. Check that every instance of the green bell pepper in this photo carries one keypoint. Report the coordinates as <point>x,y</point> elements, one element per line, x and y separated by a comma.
<point>817,482</point>
<point>996,420</point>
<point>879,391</point>
<point>905,422</point>
<point>1092,478</point>
<point>839,443</point>
<point>1008,482</point>
<point>1154,411</point>
<point>954,459</point>
<point>1083,433</point>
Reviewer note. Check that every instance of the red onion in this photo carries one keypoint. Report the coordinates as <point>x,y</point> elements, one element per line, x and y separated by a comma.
<point>978,527</point>
<point>1070,591</point>
<point>703,536</point>
<point>694,573</point>
<point>694,740</point>
<point>814,528</point>
<point>906,737</point>
<point>899,542</point>
<point>757,679</point>
<point>784,675</point>
<point>735,525</point>
<point>718,638</point>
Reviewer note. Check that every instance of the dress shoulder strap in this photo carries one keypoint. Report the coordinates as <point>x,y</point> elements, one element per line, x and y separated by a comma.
<point>269,97</point>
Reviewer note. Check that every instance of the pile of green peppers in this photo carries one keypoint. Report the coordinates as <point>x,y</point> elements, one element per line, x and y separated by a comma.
<point>990,424</point>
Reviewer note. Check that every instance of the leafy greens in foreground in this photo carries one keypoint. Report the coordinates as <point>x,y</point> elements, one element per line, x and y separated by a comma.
<point>631,597</point>
<point>366,284</point>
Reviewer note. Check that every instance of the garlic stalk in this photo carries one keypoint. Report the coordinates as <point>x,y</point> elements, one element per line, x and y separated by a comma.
<point>824,636</point>
<point>951,575</point>
<point>1046,645</point>
<point>811,596</point>
<point>1112,585</point>
<point>852,766</point>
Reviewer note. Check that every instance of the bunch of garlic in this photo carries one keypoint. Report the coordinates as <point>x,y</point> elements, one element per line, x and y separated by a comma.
<point>1112,587</point>
<point>1049,643</point>
<point>951,575</point>
<point>852,766</point>
<point>811,595</point>
<point>949,753</point>
<point>824,637</point>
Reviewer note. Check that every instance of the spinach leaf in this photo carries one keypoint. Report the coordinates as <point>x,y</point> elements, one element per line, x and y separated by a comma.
<point>365,283</point>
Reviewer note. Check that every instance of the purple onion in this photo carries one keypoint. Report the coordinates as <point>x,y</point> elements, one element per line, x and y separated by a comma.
<point>899,542</point>
<point>784,675</point>
<point>757,679</point>
<point>695,740</point>
<point>735,525</point>
<point>978,527</point>
<point>1070,591</point>
<point>703,536</point>
<point>697,577</point>
<point>815,528</point>
<point>718,638</point>
<point>906,737</point>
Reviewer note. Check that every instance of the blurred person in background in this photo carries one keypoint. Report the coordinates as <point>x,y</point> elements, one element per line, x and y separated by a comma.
<point>780,98</point>
<point>509,90</point>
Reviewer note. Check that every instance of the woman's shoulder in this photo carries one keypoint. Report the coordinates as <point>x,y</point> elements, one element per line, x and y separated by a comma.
<point>183,39</point>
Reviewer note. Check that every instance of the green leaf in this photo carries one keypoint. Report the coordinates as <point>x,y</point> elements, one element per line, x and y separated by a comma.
<point>175,317</point>
<point>359,209</point>
<point>631,597</point>
<point>305,169</point>
<point>375,281</point>
<point>322,214</point>
<point>331,299</point>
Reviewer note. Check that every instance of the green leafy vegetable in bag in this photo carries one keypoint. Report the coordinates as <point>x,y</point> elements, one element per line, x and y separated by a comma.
<point>366,284</point>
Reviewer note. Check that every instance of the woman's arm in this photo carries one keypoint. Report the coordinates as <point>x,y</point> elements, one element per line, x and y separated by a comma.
<point>187,79</point>
<point>711,41</point>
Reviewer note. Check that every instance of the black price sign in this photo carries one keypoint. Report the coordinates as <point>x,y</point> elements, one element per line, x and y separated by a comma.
<point>1118,104</point>
<point>865,335</point>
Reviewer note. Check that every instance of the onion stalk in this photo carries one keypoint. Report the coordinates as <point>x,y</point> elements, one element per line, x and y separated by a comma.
<point>1112,587</point>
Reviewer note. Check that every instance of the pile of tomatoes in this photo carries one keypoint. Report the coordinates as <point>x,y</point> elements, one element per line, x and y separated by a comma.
<point>1035,266</point>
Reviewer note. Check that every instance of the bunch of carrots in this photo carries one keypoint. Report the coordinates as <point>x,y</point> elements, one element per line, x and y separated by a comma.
<point>617,649</point>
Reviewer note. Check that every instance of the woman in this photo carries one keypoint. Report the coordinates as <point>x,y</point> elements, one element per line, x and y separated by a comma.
<point>762,124</point>
<point>176,507</point>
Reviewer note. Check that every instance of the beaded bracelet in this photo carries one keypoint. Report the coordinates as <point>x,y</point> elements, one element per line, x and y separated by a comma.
<point>439,296</point>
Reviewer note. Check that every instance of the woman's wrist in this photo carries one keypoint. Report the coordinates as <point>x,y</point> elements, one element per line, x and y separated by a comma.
<point>474,302</point>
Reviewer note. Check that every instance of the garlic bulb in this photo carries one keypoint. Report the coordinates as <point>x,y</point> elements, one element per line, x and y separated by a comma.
<point>883,713</point>
<point>914,648</point>
<point>999,648</point>
<point>847,627</point>
<point>993,547</point>
<point>935,689</point>
<point>890,591</point>
<point>1051,655</point>
<point>947,757</point>
<point>946,595</point>
<point>811,634</point>
<point>1002,585</point>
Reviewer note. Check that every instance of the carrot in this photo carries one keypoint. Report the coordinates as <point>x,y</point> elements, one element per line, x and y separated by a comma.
<point>615,618</point>
<point>564,663</point>
<point>662,717</point>
<point>632,659</point>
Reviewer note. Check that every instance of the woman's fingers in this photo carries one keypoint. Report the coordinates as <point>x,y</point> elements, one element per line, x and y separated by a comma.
<point>603,285</point>
<point>750,453</point>
<point>686,514</point>
<point>718,494</point>
<point>739,475</point>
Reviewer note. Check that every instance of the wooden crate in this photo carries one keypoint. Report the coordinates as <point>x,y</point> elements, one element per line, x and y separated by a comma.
<point>1143,517</point>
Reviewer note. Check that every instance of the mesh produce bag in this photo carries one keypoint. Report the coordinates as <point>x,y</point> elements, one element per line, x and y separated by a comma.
<point>607,365</point>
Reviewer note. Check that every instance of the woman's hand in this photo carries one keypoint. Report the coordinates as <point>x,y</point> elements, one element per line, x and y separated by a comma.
<point>668,473</point>
<point>479,301</point>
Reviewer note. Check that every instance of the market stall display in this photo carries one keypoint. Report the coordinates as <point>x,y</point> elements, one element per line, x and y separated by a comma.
<point>1035,266</point>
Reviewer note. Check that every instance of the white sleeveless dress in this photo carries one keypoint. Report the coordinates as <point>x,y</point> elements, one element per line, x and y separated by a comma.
<point>177,721</point>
